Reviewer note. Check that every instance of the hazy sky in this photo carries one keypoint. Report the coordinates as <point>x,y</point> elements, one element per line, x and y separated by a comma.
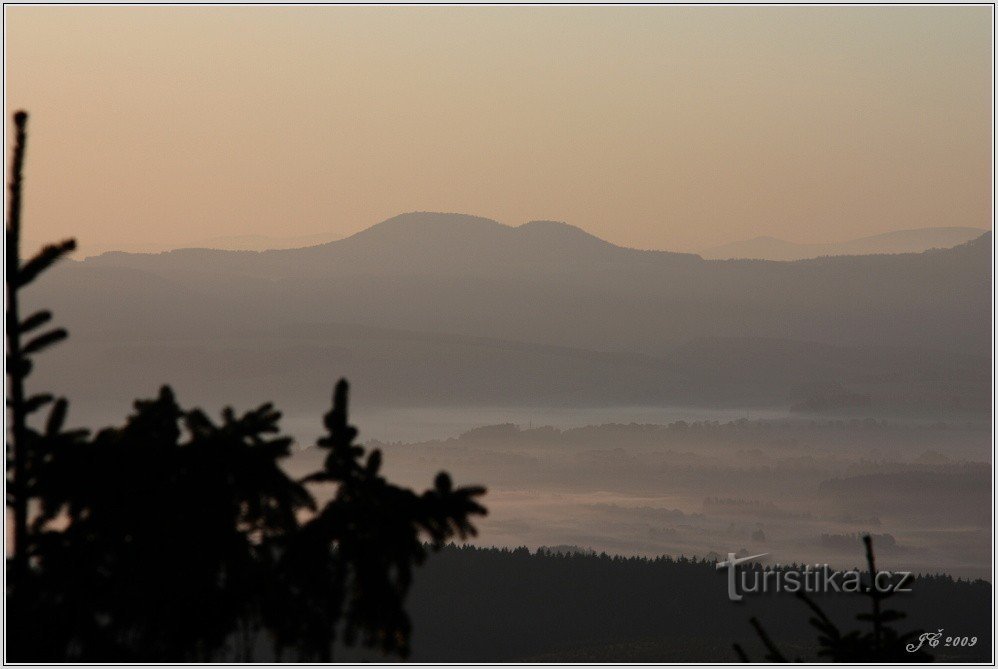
<point>671,128</point>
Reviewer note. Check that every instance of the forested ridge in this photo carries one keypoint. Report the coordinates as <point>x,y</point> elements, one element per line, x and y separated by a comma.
<point>500,604</point>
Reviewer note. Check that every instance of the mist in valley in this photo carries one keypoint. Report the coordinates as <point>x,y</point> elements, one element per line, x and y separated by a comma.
<point>495,333</point>
<point>801,490</point>
<point>633,402</point>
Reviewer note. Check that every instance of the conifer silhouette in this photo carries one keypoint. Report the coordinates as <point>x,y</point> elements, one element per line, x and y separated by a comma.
<point>176,538</point>
<point>27,449</point>
<point>361,547</point>
<point>24,443</point>
<point>881,643</point>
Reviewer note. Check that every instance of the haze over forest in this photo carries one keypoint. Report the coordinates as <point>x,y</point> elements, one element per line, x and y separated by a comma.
<point>666,280</point>
<point>863,366</point>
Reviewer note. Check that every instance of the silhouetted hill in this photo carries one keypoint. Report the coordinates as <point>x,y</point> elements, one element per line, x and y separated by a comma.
<point>472,311</point>
<point>898,241</point>
<point>888,377</point>
<point>246,242</point>
<point>554,284</point>
<point>112,361</point>
<point>419,242</point>
<point>264,242</point>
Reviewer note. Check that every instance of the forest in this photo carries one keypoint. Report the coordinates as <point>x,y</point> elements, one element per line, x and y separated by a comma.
<point>564,604</point>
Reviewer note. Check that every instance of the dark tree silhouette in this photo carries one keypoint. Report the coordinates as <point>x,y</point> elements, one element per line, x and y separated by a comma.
<point>880,643</point>
<point>27,449</point>
<point>161,537</point>
<point>175,538</point>
<point>20,466</point>
<point>361,548</point>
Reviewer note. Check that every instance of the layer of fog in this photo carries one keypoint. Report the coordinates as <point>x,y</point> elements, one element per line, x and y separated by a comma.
<point>800,490</point>
<point>415,424</point>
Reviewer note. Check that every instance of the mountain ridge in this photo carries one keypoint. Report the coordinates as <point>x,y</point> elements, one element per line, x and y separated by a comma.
<point>722,331</point>
<point>403,228</point>
<point>411,242</point>
<point>912,240</point>
<point>549,283</point>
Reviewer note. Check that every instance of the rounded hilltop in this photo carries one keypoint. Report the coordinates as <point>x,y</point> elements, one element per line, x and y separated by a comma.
<point>416,225</point>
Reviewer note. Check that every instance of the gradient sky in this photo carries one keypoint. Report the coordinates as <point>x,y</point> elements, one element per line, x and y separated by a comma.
<point>653,127</point>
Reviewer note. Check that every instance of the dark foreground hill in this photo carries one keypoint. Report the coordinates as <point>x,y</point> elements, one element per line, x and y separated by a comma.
<point>497,605</point>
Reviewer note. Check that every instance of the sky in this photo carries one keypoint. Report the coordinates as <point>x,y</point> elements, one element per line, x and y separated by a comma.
<point>674,128</point>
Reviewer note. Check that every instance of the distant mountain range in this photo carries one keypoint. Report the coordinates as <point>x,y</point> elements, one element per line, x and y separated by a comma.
<point>899,241</point>
<point>223,242</point>
<point>447,308</point>
<point>758,248</point>
<point>266,242</point>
